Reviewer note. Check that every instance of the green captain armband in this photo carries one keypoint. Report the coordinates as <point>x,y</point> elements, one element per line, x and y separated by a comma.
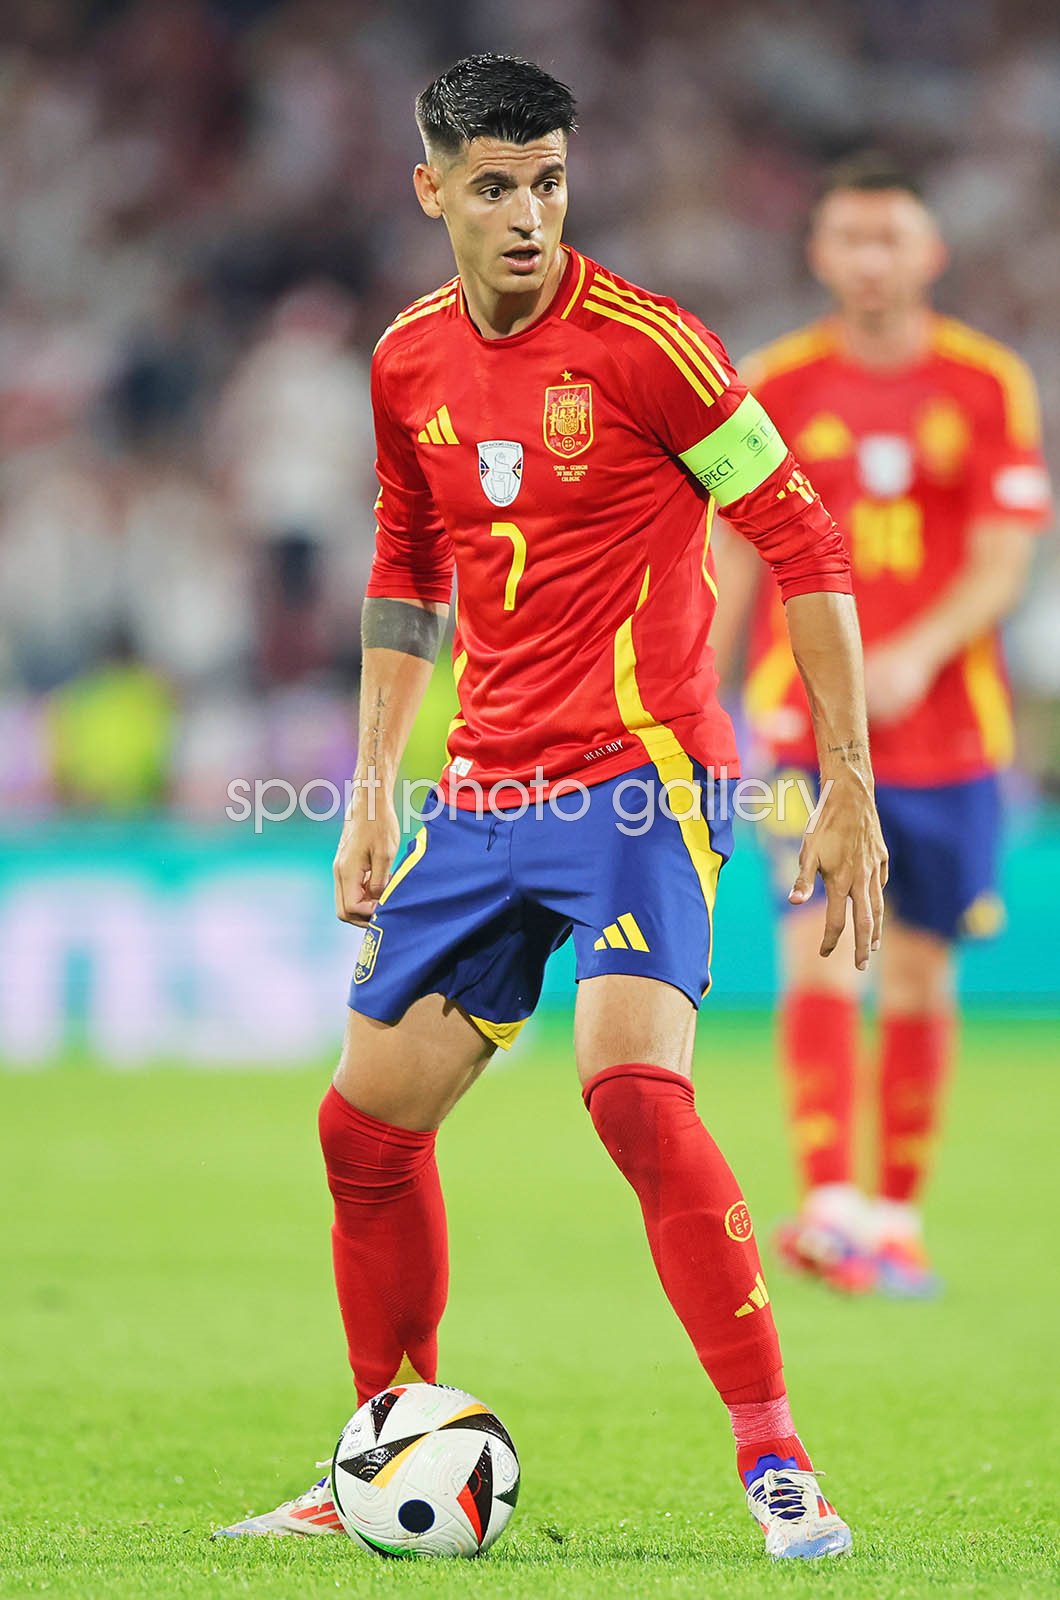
<point>739,455</point>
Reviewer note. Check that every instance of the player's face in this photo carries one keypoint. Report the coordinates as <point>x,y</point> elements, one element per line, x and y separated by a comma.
<point>504,206</point>
<point>876,251</point>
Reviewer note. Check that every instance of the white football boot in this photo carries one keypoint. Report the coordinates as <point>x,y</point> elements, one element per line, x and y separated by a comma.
<point>797,1520</point>
<point>311,1512</point>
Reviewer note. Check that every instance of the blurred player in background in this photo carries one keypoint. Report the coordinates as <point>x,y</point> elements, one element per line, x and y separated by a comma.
<point>922,436</point>
<point>562,438</point>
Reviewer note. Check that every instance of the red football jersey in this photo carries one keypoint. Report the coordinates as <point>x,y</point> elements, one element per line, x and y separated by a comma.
<point>571,472</point>
<point>906,461</point>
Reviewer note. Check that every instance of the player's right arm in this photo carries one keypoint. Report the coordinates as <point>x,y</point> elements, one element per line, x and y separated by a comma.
<point>401,631</point>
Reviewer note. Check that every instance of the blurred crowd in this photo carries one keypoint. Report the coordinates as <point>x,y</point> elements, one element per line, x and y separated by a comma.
<point>208,221</point>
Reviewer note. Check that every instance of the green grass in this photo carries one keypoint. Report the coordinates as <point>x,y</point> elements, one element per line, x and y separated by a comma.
<point>171,1357</point>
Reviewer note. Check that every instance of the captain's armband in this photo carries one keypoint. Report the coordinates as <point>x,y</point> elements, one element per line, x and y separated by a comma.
<point>739,455</point>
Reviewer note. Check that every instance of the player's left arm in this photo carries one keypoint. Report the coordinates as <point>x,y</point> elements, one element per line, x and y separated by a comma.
<point>731,445</point>
<point>900,670</point>
<point>843,841</point>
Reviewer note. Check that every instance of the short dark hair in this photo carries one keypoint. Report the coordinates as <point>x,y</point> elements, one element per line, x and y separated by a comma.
<point>493,97</point>
<point>868,171</point>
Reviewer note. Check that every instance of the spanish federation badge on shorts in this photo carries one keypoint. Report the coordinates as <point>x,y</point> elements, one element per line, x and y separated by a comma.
<point>373,938</point>
<point>500,468</point>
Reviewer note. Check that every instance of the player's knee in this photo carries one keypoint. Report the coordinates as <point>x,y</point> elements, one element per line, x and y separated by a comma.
<point>368,1161</point>
<point>917,978</point>
<point>916,994</point>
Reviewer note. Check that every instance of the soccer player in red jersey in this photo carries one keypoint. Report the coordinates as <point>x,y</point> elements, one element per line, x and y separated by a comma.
<point>922,435</point>
<point>561,439</point>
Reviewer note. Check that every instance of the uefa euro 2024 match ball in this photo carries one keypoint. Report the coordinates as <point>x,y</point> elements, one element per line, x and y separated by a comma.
<point>422,1469</point>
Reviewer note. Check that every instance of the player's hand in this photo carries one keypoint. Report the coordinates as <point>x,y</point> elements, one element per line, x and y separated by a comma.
<point>843,843</point>
<point>897,677</point>
<point>370,838</point>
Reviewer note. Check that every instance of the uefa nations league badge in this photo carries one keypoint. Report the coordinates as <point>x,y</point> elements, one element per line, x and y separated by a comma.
<point>500,469</point>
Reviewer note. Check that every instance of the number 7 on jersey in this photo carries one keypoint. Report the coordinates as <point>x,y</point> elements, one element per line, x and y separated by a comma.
<point>508,530</point>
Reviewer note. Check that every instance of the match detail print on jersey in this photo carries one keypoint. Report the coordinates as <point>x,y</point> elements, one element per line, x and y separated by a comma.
<point>735,458</point>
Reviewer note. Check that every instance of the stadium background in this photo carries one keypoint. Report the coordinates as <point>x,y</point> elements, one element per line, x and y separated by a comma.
<point>206,221</point>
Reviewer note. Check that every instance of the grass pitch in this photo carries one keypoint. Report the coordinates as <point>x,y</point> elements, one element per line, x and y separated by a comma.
<point>171,1355</point>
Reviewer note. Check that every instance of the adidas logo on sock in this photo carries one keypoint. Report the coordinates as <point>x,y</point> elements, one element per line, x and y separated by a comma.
<point>755,1301</point>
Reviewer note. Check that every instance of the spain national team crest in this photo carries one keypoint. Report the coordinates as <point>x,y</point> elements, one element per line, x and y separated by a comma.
<point>568,421</point>
<point>500,470</point>
<point>365,965</point>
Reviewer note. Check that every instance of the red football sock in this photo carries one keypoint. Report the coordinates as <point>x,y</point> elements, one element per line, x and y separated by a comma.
<point>698,1226</point>
<point>915,1056</point>
<point>389,1244</point>
<point>818,1032</point>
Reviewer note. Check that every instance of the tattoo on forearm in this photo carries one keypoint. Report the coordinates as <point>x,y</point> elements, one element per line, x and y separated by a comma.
<point>397,625</point>
<point>853,751</point>
<point>372,735</point>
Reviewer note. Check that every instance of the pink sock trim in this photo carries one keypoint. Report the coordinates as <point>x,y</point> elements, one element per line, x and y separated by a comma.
<point>761,1421</point>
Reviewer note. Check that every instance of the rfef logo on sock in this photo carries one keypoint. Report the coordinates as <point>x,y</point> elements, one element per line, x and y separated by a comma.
<point>738,1224</point>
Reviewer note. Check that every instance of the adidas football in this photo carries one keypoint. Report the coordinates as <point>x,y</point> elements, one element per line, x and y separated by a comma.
<point>422,1469</point>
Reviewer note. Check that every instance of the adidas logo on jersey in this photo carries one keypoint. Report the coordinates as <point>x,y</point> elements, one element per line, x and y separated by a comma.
<point>622,935</point>
<point>439,430</point>
<point>756,1300</point>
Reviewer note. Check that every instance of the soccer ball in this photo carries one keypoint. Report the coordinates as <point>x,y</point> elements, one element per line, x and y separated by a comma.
<point>422,1469</point>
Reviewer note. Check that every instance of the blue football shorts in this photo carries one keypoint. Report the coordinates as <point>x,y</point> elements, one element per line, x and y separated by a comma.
<point>943,843</point>
<point>479,902</point>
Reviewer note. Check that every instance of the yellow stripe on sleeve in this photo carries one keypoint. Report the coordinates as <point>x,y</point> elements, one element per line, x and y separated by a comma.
<point>708,529</point>
<point>787,354</point>
<point>414,316</point>
<point>686,339</point>
<point>664,342</point>
<point>974,349</point>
